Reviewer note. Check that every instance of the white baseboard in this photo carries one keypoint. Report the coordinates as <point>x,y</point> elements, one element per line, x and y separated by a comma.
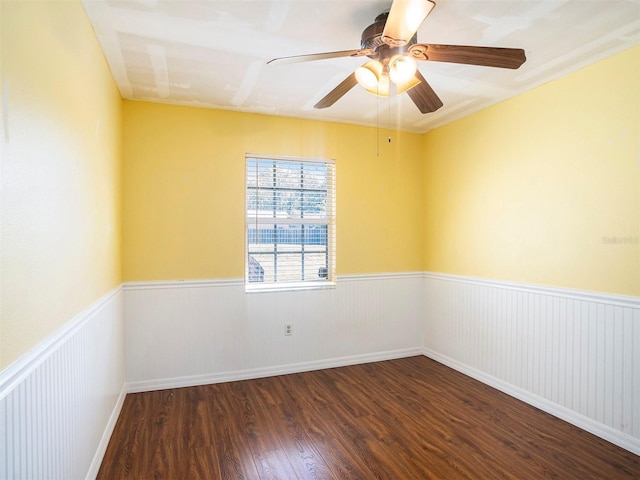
<point>603,431</point>
<point>106,436</point>
<point>195,380</point>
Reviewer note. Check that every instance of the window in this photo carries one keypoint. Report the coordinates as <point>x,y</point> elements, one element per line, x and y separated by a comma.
<point>290,223</point>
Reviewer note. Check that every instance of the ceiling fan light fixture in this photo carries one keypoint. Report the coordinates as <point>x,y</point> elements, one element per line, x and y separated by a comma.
<point>402,69</point>
<point>407,84</point>
<point>381,89</point>
<point>369,74</point>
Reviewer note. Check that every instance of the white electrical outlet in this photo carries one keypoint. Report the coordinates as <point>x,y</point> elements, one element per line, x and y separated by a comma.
<point>288,329</point>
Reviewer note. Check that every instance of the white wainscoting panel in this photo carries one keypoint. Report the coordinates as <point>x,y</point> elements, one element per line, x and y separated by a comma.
<point>198,332</point>
<point>59,402</point>
<point>574,354</point>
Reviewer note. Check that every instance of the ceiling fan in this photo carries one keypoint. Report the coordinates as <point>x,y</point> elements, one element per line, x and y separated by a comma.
<point>392,45</point>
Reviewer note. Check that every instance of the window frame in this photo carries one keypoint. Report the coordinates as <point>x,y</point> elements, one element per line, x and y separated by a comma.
<point>329,222</point>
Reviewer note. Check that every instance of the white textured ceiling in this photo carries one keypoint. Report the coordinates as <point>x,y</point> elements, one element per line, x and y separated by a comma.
<point>213,54</point>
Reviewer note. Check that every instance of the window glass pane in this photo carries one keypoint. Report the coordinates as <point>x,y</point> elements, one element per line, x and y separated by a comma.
<point>289,207</point>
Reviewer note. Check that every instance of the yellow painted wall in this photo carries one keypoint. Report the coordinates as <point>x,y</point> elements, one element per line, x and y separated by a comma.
<point>60,172</point>
<point>543,188</point>
<point>184,190</point>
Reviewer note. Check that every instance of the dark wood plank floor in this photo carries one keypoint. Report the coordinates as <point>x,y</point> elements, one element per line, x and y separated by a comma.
<point>401,419</point>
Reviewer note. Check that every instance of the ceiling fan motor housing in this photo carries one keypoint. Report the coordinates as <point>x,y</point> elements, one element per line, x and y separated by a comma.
<point>372,39</point>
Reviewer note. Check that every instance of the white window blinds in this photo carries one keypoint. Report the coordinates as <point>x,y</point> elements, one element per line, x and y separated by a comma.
<point>290,223</point>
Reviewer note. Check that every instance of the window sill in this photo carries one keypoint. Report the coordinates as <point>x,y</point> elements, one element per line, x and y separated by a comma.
<point>288,287</point>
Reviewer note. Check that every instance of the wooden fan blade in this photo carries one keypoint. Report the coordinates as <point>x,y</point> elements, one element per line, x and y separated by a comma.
<point>424,97</point>
<point>322,56</point>
<point>404,19</point>
<point>484,56</point>
<point>334,95</point>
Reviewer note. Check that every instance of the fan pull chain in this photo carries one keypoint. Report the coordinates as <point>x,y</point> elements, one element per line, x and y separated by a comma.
<point>389,119</point>
<point>377,121</point>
